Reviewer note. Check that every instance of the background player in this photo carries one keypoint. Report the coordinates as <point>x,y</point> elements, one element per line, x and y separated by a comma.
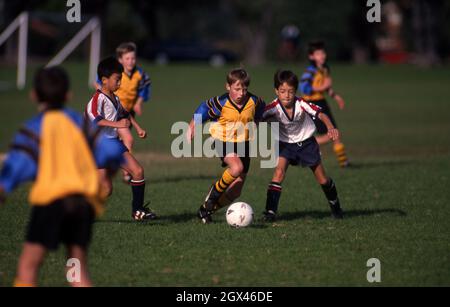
<point>315,82</point>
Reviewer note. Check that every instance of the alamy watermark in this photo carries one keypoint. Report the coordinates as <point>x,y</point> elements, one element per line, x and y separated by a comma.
<point>257,145</point>
<point>73,274</point>
<point>74,11</point>
<point>374,13</point>
<point>374,273</point>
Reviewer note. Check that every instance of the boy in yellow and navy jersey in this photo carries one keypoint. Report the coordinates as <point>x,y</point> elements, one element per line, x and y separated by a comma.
<point>59,151</point>
<point>230,113</point>
<point>314,84</point>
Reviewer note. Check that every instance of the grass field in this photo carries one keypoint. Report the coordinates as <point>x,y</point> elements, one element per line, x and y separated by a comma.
<point>396,197</point>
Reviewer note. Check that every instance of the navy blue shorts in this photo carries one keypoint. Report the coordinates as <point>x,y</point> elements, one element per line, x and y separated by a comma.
<point>305,154</point>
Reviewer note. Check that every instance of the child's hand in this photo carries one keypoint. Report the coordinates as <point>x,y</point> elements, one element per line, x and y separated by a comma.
<point>124,123</point>
<point>142,133</point>
<point>340,101</point>
<point>333,134</point>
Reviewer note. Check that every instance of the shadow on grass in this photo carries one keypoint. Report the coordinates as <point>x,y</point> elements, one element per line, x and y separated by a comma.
<point>182,178</point>
<point>289,216</point>
<point>377,164</point>
<point>161,220</point>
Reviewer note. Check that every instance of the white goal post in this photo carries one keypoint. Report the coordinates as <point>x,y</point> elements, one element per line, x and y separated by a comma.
<point>20,22</point>
<point>92,27</point>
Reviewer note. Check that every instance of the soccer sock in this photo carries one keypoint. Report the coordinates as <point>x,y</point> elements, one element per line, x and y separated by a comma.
<point>223,201</point>
<point>330,191</point>
<point>339,150</point>
<point>218,190</point>
<point>224,182</point>
<point>138,189</point>
<point>273,196</point>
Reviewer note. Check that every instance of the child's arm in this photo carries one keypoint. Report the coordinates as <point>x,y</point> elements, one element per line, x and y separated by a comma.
<point>141,132</point>
<point>123,123</point>
<point>144,92</point>
<point>326,85</point>
<point>338,98</point>
<point>315,111</point>
<point>206,111</point>
<point>18,168</point>
<point>138,106</point>
<point>333,133</point>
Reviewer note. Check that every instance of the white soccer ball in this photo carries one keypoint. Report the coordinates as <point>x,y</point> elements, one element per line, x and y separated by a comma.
<point>239,215</point>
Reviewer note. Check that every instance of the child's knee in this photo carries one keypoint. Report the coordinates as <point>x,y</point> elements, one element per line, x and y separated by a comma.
<point>137,172</point>
<point>237,169</point>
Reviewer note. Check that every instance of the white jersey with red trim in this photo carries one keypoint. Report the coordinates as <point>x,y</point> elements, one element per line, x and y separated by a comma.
<point>101,106</point>
<point>296,129</point>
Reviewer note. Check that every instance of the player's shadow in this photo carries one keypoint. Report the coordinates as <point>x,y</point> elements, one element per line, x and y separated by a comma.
<point>314,214</point>
<point>162,220</point>
<point>183,178</point>
<point>178,218</point>
<point>377,164</point>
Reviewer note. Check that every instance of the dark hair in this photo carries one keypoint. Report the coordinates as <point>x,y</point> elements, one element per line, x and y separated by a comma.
<point>285,76</point>
<point>109,66</point>
<point>125,48</point>
<point>51,86</point>
<point>314,46</point>
<point>238,74</point>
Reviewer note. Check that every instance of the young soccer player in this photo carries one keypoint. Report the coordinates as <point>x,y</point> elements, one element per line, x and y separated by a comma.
<point>315,82</point>
<point>135,89</point>
<point>58,150</point>
<point>231,113</point>
<point>106,111</point>
<point>297,143</point>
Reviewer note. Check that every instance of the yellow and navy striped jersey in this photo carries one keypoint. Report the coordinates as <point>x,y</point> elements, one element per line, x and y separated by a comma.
<point>230,120</point>
<point>313,77</point>
<point>59,151</point>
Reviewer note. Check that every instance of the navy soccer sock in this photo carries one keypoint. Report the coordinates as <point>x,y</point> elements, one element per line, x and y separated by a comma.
<point>330,191</point>
<point>273,196</point>
<point>138,189</point>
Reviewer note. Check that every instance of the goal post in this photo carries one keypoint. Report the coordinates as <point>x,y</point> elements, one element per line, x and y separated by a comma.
<point>93,28</point>
<point>20,22</point>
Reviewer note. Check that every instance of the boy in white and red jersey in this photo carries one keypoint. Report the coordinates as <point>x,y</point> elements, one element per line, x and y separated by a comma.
<point>297,143</point>
<point>105,110</point>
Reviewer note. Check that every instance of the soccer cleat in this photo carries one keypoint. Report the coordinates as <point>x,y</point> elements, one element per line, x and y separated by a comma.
<point>336,210</point>
<point>269,216</point>
<point>144,214</point>
<point>211,199</point>
<point>204,215</point>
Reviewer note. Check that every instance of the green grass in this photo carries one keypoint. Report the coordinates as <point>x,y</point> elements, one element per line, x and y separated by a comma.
<point>396,129</point>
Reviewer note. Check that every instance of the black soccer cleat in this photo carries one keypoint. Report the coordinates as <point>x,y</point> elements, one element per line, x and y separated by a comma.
<point>336,210</point>
<point>204,215</point>
<point>211,198</point>
<point>269,216</point>
<point>144,214</point>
